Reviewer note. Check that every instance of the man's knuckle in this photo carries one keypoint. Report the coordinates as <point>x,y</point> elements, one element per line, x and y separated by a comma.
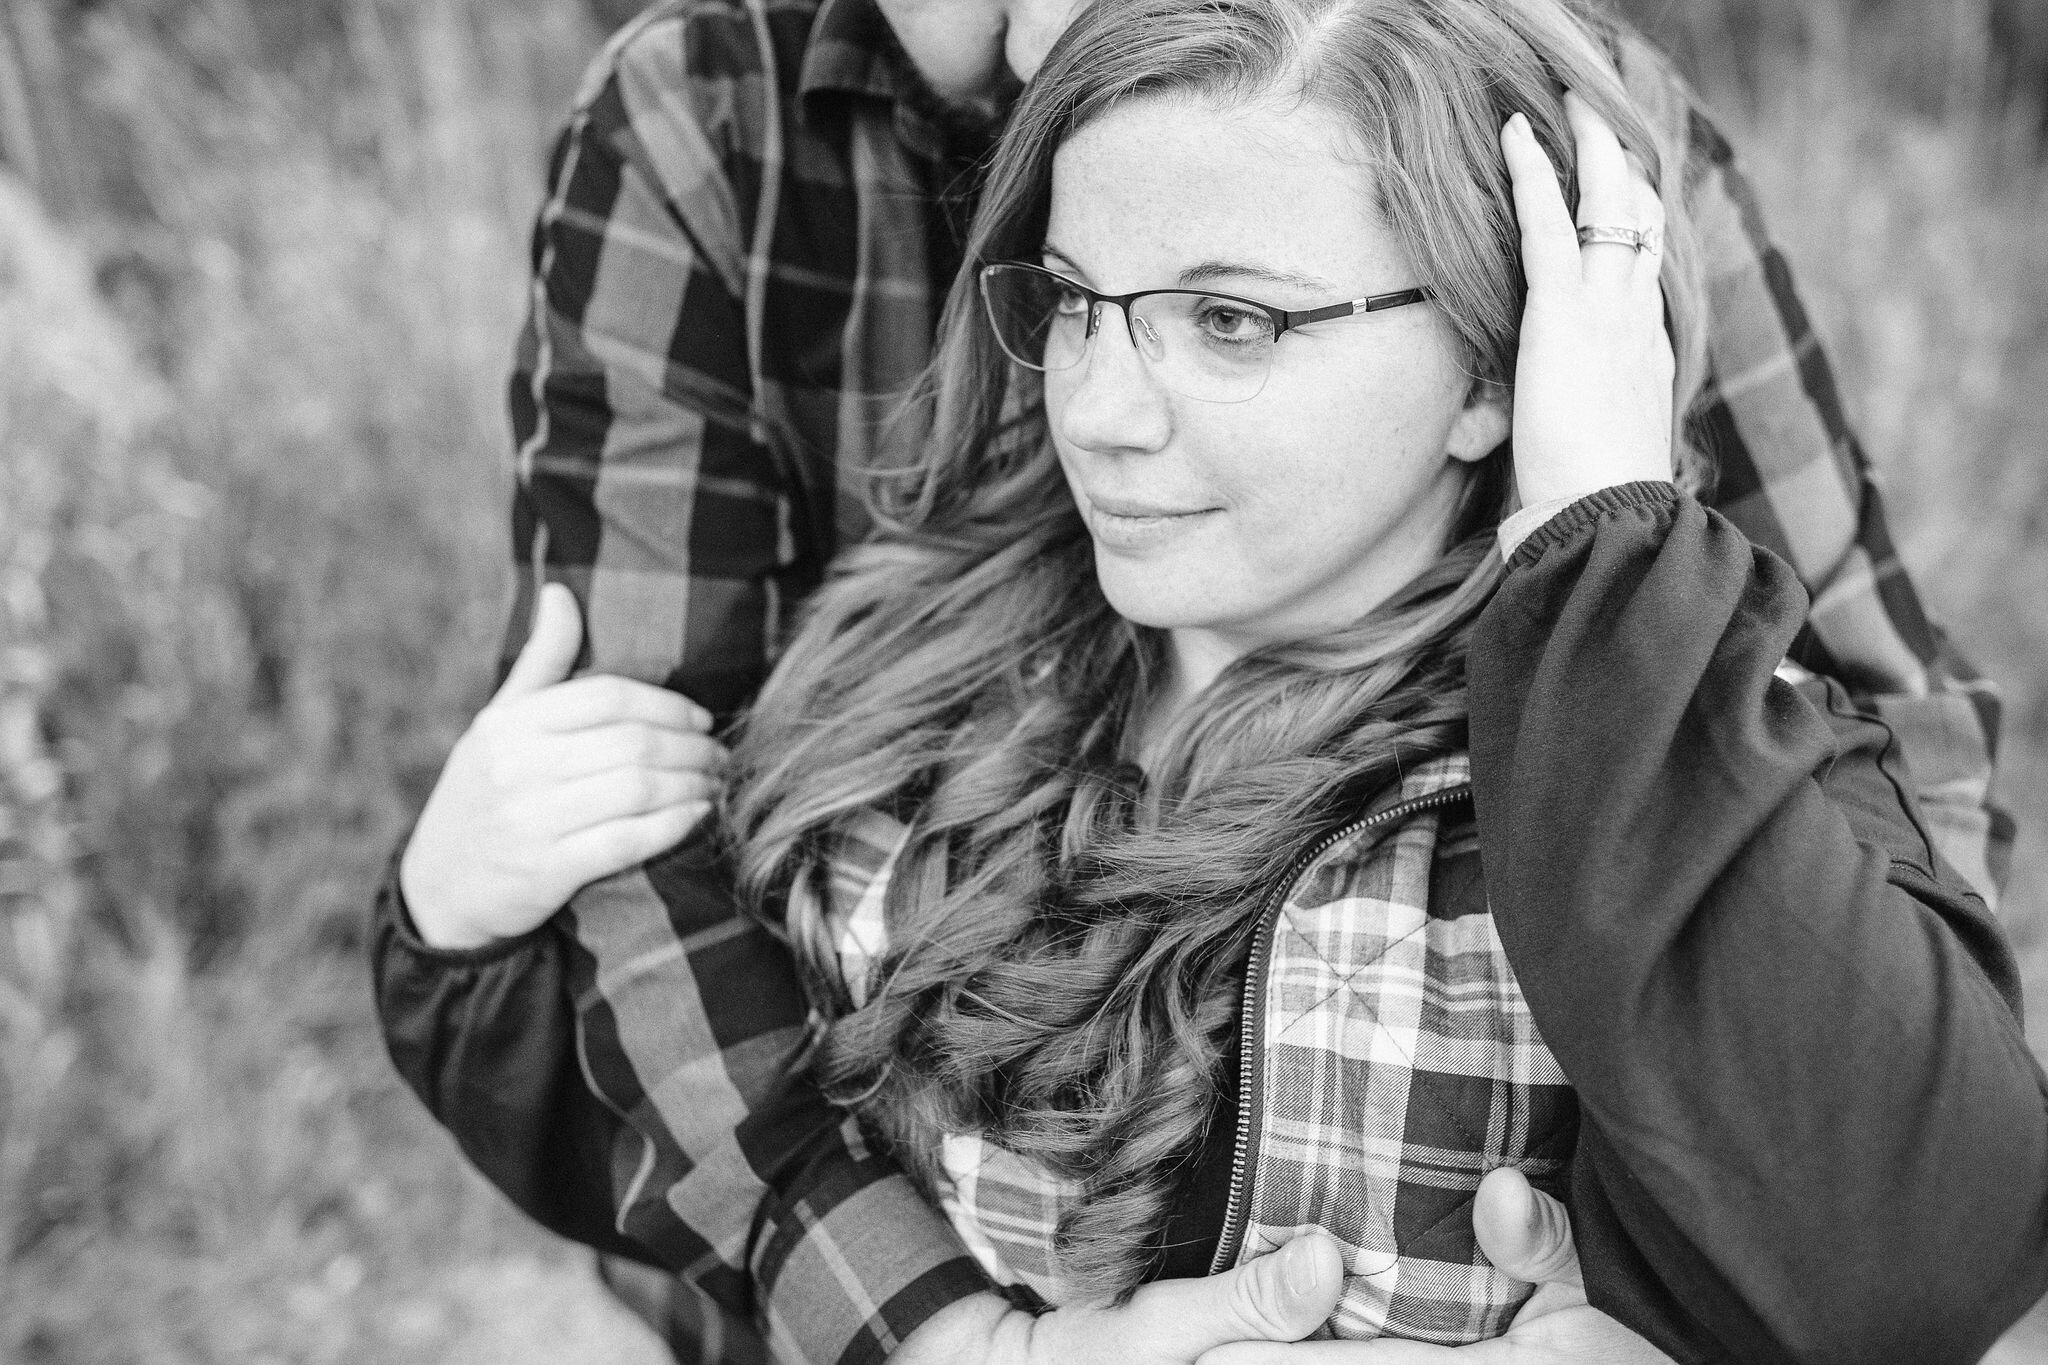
<point>1249,1301</point>
<point>647,745</point>
<point>609,695</point>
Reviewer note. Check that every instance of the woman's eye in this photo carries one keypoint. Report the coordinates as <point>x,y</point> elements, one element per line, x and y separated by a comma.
<point>1070,302</point>
<point>1223,321</point>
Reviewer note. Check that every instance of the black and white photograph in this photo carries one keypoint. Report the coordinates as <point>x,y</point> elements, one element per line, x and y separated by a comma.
<point>1023,682</point>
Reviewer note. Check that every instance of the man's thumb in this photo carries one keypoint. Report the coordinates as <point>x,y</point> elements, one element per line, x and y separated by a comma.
<point>550,649</point>
<point>1281,1297</point>
<point>1523,1231</point>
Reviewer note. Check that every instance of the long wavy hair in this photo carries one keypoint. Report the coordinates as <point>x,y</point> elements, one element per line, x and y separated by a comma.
<point>1066,933</point>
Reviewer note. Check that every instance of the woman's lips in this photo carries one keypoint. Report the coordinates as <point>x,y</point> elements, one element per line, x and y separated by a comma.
<point>1139,526</point>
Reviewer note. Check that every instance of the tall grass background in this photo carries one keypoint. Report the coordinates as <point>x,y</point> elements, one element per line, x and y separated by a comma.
<point>261,262</point>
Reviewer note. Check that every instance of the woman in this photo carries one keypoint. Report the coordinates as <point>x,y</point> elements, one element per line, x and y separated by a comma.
<point>1197,831</point>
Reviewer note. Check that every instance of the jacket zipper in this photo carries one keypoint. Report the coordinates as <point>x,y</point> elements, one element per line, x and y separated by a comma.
<point>1251,1019</point>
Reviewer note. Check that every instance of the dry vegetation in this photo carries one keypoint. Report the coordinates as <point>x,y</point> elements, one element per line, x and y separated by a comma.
<point>251,492</point>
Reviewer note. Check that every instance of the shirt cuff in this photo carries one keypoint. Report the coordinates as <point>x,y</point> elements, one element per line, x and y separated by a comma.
<point>391,910</point>
<point>1519,526</point>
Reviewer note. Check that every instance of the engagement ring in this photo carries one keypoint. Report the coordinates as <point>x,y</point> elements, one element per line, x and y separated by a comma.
<point>1643,239</point>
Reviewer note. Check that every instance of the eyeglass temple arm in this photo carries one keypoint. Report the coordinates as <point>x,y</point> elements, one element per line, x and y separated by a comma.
<point>1372,303</point>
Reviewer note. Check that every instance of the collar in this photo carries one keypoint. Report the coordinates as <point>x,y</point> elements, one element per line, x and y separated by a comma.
<point>1440,780</point>
<point>1429,777</point>
<point>851,51</point>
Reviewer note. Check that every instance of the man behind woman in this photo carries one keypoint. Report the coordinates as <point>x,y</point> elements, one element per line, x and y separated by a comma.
<point>1036,782</point>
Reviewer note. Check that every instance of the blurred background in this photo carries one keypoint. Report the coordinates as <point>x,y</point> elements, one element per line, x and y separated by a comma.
<point>261,262</point>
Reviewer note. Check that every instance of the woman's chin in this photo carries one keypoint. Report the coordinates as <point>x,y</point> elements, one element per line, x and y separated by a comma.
<point>1163,601</point>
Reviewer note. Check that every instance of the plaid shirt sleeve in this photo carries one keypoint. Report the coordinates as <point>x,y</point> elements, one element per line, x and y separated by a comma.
<point>1794,478</point>
<point>646,482</point>
<point>693,1029</point>
<point>639,481</point>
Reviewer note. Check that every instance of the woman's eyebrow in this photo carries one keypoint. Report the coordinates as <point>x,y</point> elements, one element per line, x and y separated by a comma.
<point>1212,270</point>
<point>1073,266</point>
<point>1208,271</point>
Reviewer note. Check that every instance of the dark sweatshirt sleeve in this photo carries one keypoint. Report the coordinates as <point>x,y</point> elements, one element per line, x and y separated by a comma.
<point>487,1039</point>
<point>1811,1127</point>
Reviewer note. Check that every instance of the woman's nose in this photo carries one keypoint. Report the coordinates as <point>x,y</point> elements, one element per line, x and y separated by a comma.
<point>1111,402</point>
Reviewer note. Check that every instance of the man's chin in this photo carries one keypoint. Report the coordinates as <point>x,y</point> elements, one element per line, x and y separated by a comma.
<point>969,121</point>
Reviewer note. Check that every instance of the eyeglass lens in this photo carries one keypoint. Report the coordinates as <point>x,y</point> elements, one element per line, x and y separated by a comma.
<point>1201,346</point>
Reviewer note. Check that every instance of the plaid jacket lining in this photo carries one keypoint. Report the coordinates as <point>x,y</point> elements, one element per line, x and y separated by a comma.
<point>1399,1064</point>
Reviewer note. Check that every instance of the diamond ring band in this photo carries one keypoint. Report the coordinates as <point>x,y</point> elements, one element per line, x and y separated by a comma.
<point>1642,239</point>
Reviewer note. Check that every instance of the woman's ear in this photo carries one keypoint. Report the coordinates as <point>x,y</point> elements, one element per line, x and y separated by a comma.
<point>1483,425</point>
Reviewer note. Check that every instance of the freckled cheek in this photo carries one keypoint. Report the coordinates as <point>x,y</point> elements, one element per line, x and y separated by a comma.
<point>1298,504</point>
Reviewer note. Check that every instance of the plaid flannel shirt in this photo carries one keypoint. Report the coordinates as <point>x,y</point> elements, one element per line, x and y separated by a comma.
<point>1393,1062</point>
<point>738,264</point>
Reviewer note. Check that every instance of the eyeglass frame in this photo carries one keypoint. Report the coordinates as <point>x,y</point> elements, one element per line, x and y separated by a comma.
<point>1283,320</point>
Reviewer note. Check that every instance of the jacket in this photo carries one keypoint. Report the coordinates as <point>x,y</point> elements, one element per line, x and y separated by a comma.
<point>1788,1027</point>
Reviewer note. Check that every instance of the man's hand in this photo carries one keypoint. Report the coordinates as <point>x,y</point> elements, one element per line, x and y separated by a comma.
<point>1281,1297</point>
<point>555,784</point>
<point>1528,1235</point>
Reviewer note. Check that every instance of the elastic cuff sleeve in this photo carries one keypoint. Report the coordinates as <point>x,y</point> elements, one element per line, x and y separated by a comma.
<point>390,908</point>
<point>1520,525</point>
<point>1558,525</point>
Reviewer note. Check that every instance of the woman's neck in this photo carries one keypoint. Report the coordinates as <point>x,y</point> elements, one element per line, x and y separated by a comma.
<point>1194,660</point>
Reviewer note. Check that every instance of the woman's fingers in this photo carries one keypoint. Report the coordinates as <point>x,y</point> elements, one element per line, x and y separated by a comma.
<point>605,699</point>
<point>1614,192</point>
<point>1592,394</point>
<point>624,746</point>
<point>620,794</point>
<point>1605,194</point>
<point>615,845</point>
<point>1649,204</point>
<point>1550,246</point>
<point>554,785</point>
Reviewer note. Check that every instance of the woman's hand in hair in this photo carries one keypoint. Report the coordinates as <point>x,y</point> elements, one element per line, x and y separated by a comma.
<point>1593,377</point>
<point>556,783</point>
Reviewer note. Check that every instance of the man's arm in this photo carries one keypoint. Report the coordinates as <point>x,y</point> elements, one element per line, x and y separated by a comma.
<point>1794,478</point>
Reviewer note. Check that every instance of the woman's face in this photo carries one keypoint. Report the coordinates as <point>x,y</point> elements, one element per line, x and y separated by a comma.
<point>1293,513</point>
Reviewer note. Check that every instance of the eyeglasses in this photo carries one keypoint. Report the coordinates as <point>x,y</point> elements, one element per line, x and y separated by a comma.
<point>1216,348</point>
